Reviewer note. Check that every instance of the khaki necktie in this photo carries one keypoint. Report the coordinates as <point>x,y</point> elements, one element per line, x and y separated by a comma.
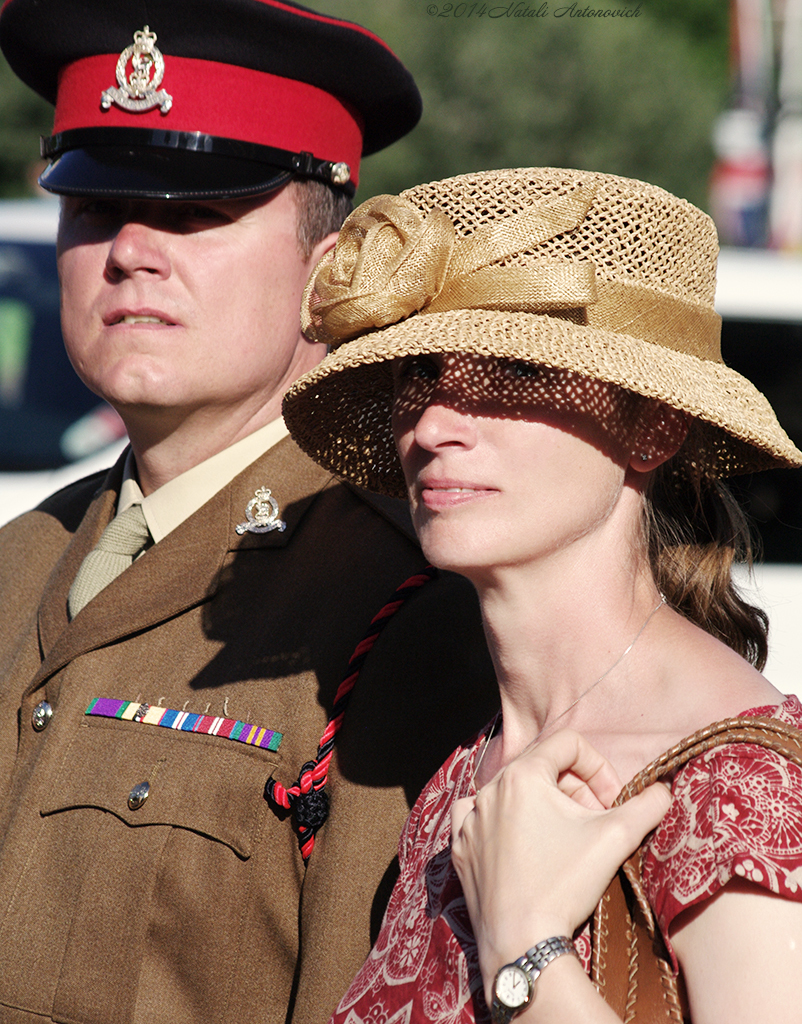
<point>124,537</point>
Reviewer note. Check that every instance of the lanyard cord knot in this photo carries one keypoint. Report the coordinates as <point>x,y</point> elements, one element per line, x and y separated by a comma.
<point>306,798</point>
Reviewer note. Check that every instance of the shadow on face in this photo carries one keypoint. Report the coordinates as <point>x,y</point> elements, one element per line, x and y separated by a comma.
<point>481,386</point>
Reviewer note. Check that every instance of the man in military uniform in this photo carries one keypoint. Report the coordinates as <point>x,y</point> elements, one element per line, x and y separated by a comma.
<point>174,632</point>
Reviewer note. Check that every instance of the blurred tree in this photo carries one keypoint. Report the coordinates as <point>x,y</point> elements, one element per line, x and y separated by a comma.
<point>634,96</point>
<point>705,22</point>
<point>23,118</point>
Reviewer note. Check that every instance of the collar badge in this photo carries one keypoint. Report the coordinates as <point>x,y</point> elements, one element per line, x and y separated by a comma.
<point>262,513</point>
<point>139,91</point>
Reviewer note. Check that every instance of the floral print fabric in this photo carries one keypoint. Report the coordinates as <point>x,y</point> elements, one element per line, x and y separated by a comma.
<point>737,811</point>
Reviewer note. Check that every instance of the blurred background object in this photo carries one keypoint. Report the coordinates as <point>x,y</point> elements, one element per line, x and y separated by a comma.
<point>741,180</point>
<point>785,225</point>
<point>756,186</point>
<point>47,417</point>
<point>503,87</point>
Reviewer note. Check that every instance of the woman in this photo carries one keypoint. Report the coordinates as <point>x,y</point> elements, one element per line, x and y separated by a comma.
<point>542,347</point>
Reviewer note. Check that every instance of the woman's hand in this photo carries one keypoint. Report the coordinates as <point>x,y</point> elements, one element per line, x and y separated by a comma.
<point>538,846</point>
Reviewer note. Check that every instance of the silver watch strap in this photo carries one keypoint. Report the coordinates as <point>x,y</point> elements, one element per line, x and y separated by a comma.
<point>532,962</point>
<point>536,958</point>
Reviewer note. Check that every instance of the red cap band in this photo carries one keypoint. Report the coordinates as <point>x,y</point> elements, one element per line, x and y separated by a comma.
<point>223,100</point>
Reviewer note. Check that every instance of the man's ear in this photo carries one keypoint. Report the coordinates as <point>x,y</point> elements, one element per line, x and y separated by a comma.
<point>321,248</point>
<point>662,434</point>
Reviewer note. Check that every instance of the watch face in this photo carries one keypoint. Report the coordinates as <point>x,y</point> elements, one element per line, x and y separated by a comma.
<point>512,986</point>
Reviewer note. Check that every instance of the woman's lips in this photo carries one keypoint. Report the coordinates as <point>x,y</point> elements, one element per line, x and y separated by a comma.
<point>436,495</point>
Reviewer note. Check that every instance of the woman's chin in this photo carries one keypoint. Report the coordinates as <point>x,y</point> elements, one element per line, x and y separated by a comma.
<point>453,557</point>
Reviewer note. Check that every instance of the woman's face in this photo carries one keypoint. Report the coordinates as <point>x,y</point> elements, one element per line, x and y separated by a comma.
<point>507,462</point>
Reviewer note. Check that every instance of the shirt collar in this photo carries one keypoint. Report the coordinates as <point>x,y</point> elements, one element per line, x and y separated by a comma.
<point>175,501</point>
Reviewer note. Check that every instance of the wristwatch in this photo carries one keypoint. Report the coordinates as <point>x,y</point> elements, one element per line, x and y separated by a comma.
<point>514,986</point>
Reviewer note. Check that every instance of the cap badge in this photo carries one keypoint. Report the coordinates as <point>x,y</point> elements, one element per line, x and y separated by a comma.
<point>139,91</point>
<point>262,513</point>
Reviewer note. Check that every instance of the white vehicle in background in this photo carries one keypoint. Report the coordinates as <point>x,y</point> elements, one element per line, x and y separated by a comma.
<point>53,431</point>
<point>759,296</point>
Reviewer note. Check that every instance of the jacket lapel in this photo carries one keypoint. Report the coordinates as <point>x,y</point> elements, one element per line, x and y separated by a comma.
<point>180,571</point>
<point>294,482</point>
<point>53,619</point>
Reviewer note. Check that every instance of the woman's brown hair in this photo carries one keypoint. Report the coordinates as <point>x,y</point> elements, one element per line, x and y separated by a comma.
<point>696,531</point>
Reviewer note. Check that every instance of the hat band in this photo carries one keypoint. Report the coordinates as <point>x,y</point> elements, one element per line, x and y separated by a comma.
<point>391,262</point>
<point>657,318</point>
<point>221,101</point>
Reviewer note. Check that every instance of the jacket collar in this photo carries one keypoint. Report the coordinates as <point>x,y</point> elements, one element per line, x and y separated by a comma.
<point>179,572</point>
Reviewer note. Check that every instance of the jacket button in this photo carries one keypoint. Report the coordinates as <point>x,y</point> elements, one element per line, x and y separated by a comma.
<point>138,795</point>
<point>41,715</point>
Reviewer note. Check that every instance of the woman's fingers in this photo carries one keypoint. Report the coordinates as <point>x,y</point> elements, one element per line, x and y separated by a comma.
<point>580,792</point>
<point>578,769</point>
<point>590,780</point>
<point>459,812</point>
<point>638,816</point>
<point>537,847</point>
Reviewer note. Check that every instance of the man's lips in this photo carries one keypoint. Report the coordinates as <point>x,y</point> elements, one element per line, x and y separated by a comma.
<point>134,317</point>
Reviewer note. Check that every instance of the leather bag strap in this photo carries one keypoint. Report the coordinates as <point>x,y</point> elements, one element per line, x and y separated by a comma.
<point>630,965</point>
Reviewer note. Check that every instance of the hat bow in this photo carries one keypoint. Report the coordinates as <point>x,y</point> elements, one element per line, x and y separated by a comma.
<point>392,261</point>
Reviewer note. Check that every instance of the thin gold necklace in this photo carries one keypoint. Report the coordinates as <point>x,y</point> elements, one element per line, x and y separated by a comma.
<point>492,730</point>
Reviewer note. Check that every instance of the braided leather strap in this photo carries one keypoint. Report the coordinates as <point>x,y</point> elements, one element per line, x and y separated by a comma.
<point>307,798</point>
<point>630,965</point>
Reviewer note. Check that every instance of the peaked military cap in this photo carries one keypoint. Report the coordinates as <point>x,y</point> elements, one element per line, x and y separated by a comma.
<point>204,98</point>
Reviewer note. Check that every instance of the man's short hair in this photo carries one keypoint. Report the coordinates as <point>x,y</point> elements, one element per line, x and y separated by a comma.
<point>321,210</point>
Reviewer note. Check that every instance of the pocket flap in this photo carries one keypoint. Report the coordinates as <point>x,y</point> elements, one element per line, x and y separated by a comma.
<point>194,782</point>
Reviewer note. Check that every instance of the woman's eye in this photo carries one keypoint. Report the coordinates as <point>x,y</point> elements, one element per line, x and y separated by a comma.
<point>518,368</point>
<point>418,368</point>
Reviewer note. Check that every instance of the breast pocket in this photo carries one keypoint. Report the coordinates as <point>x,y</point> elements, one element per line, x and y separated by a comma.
<point>140,867</point>
<point>148,776</point>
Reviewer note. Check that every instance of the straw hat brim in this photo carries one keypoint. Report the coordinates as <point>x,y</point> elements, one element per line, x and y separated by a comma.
<point>339,413</point>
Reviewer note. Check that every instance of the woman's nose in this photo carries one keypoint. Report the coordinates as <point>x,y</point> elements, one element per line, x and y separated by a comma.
<point>440,425</point>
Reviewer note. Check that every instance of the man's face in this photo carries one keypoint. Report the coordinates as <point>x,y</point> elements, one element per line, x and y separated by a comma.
<point>174,309</point>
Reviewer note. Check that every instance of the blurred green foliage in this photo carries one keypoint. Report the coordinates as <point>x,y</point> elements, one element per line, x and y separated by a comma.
<point>23,118</point>
<point>634,96</point>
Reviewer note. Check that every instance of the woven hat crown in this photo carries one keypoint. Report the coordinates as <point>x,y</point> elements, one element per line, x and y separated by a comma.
<point>617,231</point>
<point>602,275</point>
<point>632,231</point>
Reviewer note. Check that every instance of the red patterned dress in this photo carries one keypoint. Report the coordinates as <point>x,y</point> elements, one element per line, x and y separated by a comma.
<point>737,811</point>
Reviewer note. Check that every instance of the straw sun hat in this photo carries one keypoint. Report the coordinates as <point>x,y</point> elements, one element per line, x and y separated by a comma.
<point>593,273</point>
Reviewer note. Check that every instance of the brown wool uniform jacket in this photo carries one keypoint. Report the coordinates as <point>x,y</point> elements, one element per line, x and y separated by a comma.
<point>197,907</point>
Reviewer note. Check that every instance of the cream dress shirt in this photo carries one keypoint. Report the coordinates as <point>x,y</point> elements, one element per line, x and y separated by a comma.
<point>175,501</point>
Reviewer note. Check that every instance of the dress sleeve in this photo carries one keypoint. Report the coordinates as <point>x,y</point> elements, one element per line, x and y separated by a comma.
<point>737,812</point>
